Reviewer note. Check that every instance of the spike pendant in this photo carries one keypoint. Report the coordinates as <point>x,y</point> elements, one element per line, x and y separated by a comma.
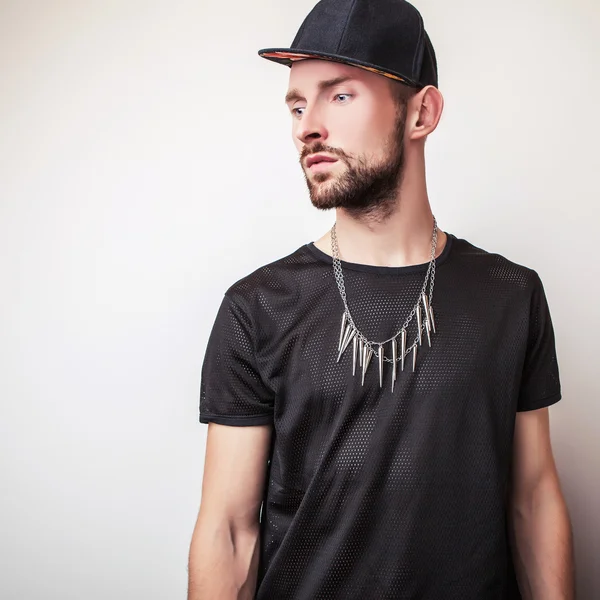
<point>398,347</point>
<point>394,350</point>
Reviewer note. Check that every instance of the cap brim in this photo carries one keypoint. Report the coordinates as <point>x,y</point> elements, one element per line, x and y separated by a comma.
<point>287,56</point>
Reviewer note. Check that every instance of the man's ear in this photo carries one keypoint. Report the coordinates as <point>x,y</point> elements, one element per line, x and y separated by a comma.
<point>424,112</point>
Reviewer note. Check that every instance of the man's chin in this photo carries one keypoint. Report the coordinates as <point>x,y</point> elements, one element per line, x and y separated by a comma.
<point>322,198</point>
<point>322,203</point>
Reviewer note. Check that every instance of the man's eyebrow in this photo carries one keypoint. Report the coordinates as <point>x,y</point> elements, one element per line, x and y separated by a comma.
<point>295,94</point>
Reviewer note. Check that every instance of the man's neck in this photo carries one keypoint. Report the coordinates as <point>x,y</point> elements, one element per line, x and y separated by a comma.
<point>401,240</point>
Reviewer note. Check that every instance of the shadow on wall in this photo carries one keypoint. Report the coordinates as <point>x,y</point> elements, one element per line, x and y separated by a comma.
<point>579,471</point>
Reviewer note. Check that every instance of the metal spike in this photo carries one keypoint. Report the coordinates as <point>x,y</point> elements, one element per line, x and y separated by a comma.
<point>367,354</point>
<point>402,346</point>
<point>427,317</point>
<point>414,357</point>
<point>420,323</point>
<point>343,329</point>
<point>360,352</point>
<point>347,332</point>
<point>432,318</point>
<point>394,363</point>
<point>354,349</point>
<point>380,355</point>
<point>350,333</point>
<point>425,300</point>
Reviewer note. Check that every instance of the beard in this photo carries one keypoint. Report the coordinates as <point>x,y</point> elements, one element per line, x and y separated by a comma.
<point>363,189</point>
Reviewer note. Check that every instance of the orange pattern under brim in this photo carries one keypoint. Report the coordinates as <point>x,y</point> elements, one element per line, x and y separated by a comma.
<point>293,56</point>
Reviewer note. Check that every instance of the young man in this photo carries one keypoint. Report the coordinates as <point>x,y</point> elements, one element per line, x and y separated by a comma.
<point>377,400</point>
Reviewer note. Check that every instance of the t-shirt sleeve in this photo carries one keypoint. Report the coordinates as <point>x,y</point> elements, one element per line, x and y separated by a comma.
<point>540,382</point>
<point>232,391</point>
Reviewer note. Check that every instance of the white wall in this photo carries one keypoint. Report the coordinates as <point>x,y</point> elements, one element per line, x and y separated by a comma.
<point>146,164</point>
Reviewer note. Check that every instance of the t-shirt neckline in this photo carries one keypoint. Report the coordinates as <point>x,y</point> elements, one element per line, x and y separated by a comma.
<point>324,257</point>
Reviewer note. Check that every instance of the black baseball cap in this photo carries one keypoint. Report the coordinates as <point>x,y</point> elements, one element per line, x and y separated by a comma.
<point>387,37</point>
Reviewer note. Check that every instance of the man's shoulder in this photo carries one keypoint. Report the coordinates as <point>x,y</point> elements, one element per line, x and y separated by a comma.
<point>278,276</point>
<point>489,265</point>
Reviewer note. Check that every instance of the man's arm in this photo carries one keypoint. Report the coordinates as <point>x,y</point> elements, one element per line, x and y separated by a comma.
<point>224,551</point>
<point>539,522</point>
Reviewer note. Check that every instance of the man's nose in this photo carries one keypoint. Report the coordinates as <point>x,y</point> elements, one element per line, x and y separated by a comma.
<point>311,127</point>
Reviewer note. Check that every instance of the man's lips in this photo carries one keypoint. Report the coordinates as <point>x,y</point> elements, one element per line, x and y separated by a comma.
<point>316,159</point>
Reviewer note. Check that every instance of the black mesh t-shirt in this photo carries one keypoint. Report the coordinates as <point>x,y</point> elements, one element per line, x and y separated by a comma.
<point>374,495</point>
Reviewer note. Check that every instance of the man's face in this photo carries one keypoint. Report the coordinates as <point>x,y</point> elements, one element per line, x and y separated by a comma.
<point>349,115</point>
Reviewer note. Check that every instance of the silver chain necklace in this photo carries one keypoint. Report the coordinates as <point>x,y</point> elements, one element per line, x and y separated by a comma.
<point>363,349</point>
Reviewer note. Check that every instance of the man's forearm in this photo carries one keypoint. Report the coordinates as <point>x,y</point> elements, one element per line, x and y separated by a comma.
<point>223,564</point>
<point>542,546</point>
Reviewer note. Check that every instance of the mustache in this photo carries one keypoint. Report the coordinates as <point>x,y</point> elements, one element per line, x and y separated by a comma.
<point>320,147</point>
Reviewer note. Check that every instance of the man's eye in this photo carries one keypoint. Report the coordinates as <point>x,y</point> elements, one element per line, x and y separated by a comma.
<point>345,95</point>
<point>343,99</point>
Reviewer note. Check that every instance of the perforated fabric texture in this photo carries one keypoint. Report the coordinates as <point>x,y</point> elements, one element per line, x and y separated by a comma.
<point>372,494</point>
